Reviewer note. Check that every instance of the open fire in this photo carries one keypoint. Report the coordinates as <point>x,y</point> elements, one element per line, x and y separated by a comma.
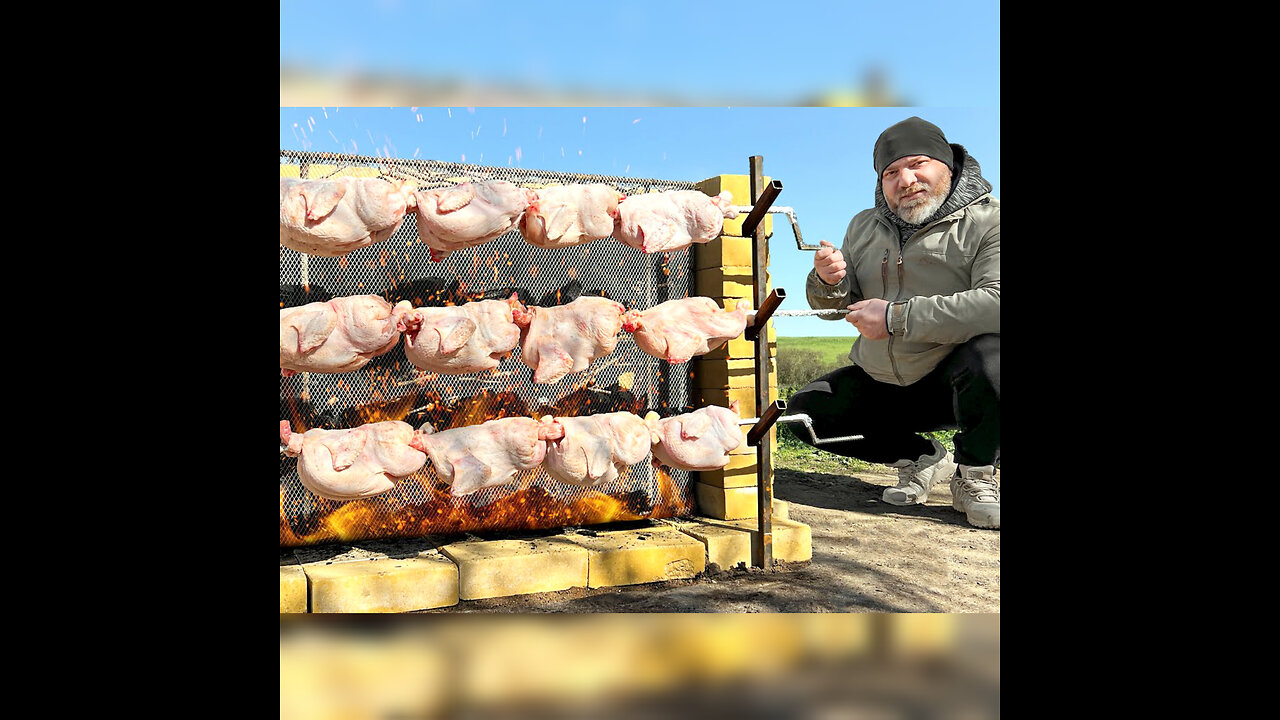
<point>389,387</point>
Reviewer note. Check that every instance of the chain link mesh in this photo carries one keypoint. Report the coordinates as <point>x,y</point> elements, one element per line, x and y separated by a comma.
<point>391,388</point>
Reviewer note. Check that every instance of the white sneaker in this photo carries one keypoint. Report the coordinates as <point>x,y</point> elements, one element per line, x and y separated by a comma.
<point>915,478</point>
<point>975,491</point>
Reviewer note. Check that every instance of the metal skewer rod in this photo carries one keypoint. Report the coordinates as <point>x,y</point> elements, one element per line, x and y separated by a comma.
<point>801,418</point>
<point>751,314</point>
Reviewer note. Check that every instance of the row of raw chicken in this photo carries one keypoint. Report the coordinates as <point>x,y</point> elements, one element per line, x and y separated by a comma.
<point>345,333</point>
<point>586,451</point>
<point>332,217</point>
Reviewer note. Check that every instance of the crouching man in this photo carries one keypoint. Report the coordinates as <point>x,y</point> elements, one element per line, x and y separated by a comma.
<point>919,274</point>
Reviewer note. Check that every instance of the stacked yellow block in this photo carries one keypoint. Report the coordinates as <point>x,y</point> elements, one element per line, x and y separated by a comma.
<point>723,272</point>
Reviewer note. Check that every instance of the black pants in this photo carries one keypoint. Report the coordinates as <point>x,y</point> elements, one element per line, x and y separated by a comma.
<point>962,393</point>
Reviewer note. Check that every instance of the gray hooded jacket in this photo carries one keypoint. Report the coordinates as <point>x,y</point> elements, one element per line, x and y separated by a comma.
<point>942,277</point>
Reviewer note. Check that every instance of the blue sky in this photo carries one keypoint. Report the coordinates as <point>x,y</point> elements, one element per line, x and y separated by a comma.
<point>822,156</point>
<point>930,52</point>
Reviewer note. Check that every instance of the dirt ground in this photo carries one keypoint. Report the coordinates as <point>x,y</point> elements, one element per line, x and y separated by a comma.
<point>868,556</point>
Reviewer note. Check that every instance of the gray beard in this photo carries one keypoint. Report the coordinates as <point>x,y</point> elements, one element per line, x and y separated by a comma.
<point>918,213</point>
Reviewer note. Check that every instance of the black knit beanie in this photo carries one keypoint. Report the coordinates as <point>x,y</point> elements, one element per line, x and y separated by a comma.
<point>912,136</point>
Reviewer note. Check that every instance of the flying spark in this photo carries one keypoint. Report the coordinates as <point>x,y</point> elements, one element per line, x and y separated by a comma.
<point>633,122</point>
<point>518,154</point>
<point>504,127</point>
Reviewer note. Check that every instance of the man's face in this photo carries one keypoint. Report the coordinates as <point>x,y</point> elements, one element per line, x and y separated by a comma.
<point>915,186</point>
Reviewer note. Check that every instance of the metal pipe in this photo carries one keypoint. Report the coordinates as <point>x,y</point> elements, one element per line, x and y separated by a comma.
<point>805,420</point>
<point>757,318</point>
<point>761,198</point>
<point>766,421</point>
<point>760,204</point>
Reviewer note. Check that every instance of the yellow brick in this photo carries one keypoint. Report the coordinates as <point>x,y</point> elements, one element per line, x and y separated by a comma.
<point>725,546</point>
<point>741,348</point>
<point>498,568</point>
<point>732,478</point>
<point>740,186</point>
<point>391,585</point>
<point>730,372</point>
<point>293,589</point>
<point>629,557</point>
<point>746,398</point>
<point>730,281</point>
<point>722,251</point>
<point>289,171</point>
<point>792,541</point>
<point>781,509</point>
<point>726,503</point>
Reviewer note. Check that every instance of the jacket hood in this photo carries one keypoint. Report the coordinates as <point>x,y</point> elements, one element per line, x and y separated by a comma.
<point>966,186</point>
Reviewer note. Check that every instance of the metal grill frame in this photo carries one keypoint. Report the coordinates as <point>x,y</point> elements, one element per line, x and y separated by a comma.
<point>400,268</point>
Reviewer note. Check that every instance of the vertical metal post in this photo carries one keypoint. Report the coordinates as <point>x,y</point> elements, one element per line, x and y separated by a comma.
<point>764,450</point>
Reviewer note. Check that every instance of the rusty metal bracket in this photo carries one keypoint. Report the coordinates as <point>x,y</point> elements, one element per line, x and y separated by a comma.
<point>761,207</point>
<point>762,196</point>
<point>761,315</point>
<point>766,420</point>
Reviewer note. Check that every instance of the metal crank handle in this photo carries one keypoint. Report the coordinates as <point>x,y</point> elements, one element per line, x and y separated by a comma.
<point>791,215</point>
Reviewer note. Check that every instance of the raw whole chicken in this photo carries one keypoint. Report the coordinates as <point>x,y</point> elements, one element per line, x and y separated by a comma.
<point>333,217</point>
<point>340,335</point>
<point>459,339</point>
<point>491,453</point>
<point>596,448</point>
<point>700,440</point>
<point>469,214</point>
<point>672,219</point>
<point>570,215</point>
<point>356,463</point>
<point>556,341</point>
<point>676,330</point>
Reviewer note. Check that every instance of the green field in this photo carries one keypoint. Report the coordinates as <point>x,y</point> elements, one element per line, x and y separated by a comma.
<point>832,350</point>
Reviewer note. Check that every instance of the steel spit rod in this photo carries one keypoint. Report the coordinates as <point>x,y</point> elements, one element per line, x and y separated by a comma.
<point>751,314</point>
<point>773,414</point>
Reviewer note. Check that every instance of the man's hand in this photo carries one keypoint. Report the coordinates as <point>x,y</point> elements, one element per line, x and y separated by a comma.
<point>868,317</point>
<point>828,262</point>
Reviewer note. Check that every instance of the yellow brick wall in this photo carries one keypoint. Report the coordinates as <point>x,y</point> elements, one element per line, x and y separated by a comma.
<point>723,272</point>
